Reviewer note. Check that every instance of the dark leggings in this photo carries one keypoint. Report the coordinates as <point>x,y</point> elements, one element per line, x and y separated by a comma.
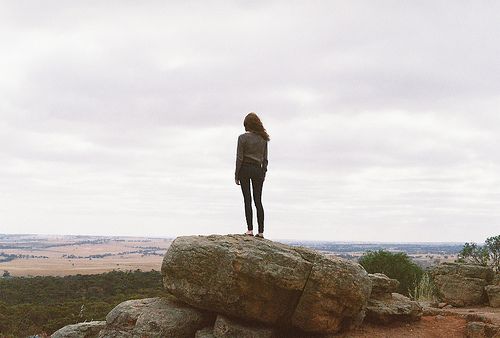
<point>253,173</point>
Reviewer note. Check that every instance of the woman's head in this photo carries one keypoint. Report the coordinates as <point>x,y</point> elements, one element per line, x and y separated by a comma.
<point>253,123</point>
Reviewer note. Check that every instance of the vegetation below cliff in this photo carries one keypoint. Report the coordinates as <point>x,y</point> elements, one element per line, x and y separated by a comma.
<point>44,304</point>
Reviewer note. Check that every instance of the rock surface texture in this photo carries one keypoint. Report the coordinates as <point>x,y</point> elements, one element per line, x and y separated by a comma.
<point>265,281</point>
<point>155,317</point>
<point>228,328</point>
<point>493,292</point>
<point>461,284</point>
<point>81,330</point>
<point>207,332</point>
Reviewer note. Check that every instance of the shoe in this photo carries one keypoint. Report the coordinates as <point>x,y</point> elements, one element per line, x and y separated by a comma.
<point>259,235</point>
<point>248,234</point>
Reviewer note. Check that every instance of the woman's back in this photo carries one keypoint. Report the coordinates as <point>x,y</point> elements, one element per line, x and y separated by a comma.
<point>254,146</point>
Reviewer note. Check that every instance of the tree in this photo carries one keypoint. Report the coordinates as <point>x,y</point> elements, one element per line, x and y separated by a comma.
<point>6,274</point>
<point>394,265</point>
<point>493,246</point>
<point>473,253</point>
<point>488,254</point>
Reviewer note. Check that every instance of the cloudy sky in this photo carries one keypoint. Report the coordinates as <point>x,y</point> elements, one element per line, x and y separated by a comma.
<point>121,117</point>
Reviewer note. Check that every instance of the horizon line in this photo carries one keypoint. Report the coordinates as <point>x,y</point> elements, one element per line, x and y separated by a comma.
<point>274,239</point>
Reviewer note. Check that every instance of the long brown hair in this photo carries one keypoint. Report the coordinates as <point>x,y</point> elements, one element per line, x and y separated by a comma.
<point>253,123</point>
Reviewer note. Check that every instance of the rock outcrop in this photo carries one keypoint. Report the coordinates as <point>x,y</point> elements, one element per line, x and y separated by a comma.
<point>385,306</point>
<point>240,286</point>
<point>461,284</point>
<point>265,281</point>
<point>155,317</point>
<point>80,330</point>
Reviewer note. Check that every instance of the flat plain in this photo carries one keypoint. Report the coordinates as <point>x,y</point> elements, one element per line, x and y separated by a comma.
<point>51,255</point>
<point>55,255</point>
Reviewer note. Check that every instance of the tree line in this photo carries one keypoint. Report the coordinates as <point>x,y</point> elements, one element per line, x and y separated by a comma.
<point>44,304</point>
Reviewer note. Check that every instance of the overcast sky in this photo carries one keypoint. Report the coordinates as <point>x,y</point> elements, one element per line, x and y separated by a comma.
<point>122,117</point>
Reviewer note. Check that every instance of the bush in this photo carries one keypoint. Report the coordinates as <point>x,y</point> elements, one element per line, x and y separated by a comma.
<point>394,265</point>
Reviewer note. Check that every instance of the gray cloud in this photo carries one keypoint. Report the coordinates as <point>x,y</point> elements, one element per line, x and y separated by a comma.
<point>119,118</point>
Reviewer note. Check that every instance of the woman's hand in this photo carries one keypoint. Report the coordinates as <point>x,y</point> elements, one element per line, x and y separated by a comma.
<point>237,181</point>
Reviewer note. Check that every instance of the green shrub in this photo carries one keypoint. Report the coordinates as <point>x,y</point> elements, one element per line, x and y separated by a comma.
<point>394,265</point>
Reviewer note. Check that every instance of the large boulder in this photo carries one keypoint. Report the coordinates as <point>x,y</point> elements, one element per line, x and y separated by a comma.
<point>80,330</point>
<point>155,317</point>
<point>493,292</point>
<point>397,308</point>
<point>461,284</point>
<point>265,281</point>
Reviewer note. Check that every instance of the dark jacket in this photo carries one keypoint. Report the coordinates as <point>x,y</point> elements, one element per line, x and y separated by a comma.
<point>252,148</point>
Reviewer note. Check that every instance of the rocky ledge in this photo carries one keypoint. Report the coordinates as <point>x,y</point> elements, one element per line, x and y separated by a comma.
<point>268,282</point>
<point>240,286</point>
<point>461,284</point>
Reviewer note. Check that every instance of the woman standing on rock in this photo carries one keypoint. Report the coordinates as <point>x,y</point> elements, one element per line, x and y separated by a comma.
<point>251,166</point>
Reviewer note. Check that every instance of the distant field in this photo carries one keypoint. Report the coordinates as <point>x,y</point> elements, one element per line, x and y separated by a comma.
<point>39,255</point>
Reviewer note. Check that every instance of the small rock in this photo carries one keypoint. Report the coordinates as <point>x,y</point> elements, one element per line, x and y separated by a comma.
<point>382,286</point>
<point>397,309</point>
<point>81,330</point>
<point>476,317</point>
<point>482,330</point>
<point>430,311</point>
<point>442,305</point>
<point>475,330</point>
<point>493,292</point>
<point>439,317</point>
<point>448,307</point>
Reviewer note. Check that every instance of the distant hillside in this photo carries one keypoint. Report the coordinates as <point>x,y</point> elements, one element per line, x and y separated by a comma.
<point>409,248</point>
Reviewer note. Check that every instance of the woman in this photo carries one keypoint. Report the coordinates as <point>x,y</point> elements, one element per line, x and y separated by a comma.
<point>251,166</point>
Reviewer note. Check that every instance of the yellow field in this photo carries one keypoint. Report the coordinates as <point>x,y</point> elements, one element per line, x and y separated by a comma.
<point>69,255</point>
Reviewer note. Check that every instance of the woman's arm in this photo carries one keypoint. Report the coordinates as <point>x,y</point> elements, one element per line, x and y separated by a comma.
<point>239,159</point>
<point>265,162</point>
